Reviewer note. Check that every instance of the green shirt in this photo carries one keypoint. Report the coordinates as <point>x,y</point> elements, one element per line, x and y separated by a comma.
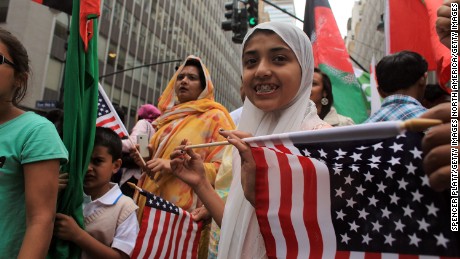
<point>25,139</point>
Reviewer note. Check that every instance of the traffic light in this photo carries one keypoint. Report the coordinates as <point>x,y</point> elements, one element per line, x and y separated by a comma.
<point>241,26</point>
<point>253,13</point>
<point>230,13</point>
<point>237,21</point>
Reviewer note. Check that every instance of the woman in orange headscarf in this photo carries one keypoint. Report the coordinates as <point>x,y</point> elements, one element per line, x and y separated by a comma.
<point>188,111</point>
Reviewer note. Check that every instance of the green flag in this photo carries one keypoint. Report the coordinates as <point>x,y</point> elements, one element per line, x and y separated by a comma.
<point>80,110</point>
<point>332,58</point>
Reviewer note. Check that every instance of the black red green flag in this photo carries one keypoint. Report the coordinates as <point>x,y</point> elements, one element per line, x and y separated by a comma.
<point>60,5</point>
<point>331,56</point>
<point>80,111</point>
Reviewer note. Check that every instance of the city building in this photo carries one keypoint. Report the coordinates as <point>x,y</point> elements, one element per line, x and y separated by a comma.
<point>132,33</point>
<point>276,14</point>
<point>365,36</point>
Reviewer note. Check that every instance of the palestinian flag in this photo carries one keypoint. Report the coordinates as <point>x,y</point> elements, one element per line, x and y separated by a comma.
<point>60,5</point>
<point>332,58</point>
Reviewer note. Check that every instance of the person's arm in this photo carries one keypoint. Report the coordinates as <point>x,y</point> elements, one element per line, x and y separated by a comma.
<point>67,229</point>
<point>436,146</point>
<point>443,22</point>
<point>41,188</point>
<point>188,166</point>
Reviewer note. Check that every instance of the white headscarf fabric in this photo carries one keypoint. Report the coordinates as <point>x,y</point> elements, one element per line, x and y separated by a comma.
<point>240,235</point>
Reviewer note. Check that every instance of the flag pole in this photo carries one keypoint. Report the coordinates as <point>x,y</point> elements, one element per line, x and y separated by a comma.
<point>370,130</point>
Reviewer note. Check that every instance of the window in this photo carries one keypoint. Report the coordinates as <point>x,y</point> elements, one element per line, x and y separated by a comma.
<point>4,4</point>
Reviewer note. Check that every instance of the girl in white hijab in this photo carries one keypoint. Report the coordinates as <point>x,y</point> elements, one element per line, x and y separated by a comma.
<point>277,71</point>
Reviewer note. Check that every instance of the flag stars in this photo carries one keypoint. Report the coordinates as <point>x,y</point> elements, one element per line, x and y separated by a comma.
<point>356,157</point>
<point>396,147</point>
<point>345,238</point>
<point>377,146</point>
<point>402,184</point>
<point>366,239</point>
<point>339,192</point>
<point>432,210</point>
<point>399,225</point>
<point>354,168</point>
<point>373,201</point>
<point>408,211</point>
<point>368,176</point>
<point>376,226</point>
<point>417,196</point>
<point>360,189</point>
<point>441,240</point>
<point>394,161</point>
<point>394,198</point>
<point>150,201</point>
<point>425,180</point>
<point>414,240</point>
<point>353,226</point>
<point>337,170</point>
<point>340,153</point>
<point>417,153</point>
<point>350,202</point>
<point>340,214</point>
<point>381,187</point>
<point>389,239</point>
<point>385,213</point>
<point>348,180</point>
<point>411,168</point>
<point>375,159</point>
<point>158,204</point>
<point>363,214</point>
<point>322,153</point>
<point>423,225</point>
<point>389,173</point>
<point>306,153</point>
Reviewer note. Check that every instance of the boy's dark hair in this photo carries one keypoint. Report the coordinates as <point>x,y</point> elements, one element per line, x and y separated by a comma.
<point>327,87</point>
<point>433,92</point>
<point>106,137</point>
<point>196,63</point>
<point>20,58</point>
<point>400,70</point>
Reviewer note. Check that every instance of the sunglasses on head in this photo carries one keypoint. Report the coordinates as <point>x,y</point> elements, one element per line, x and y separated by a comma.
<point>5,60</point>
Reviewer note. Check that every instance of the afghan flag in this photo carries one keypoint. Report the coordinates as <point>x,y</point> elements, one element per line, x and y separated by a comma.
<point>410,25</point>
<point>60,5</point>
<point>332,58</point>
<point>80,109</point>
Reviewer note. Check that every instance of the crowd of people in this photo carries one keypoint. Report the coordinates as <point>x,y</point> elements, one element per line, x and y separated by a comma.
<point>282,92</point>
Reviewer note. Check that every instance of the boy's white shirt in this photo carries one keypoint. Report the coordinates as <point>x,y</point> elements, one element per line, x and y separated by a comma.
<point>126,233</point>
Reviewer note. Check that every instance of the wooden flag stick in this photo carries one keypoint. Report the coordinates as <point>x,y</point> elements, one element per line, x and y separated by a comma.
<point>414,125</point>
<point>135,187</point>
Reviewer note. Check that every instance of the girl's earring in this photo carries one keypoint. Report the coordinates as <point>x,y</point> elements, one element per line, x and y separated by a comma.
<point>324,101</point>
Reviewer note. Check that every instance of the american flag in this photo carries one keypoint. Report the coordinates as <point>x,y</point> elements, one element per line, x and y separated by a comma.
<point>107,117</point>
<point>166,231</point>
<point>354,199</point>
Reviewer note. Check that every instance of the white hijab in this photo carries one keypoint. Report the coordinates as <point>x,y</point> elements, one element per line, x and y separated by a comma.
<point>240,234</point>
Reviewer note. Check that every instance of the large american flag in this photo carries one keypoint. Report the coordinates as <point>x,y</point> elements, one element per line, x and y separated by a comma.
<point>166,231</point>
<point>355,199</point>
<point>107,117</point>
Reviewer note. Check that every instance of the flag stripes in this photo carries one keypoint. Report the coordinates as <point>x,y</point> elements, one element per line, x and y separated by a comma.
<point>107,117</point>
<point>303,212</point>
<point>166,231</point>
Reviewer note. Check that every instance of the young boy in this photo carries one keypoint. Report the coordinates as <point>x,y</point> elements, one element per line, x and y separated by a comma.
<point>110,218</point>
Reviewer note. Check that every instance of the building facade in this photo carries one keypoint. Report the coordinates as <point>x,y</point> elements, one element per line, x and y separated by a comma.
<point>132,33</point>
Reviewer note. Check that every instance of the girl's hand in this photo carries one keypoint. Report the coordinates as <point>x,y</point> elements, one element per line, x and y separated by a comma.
<point>66,228</point>
<point>187,165</point>
<point>63,181</point>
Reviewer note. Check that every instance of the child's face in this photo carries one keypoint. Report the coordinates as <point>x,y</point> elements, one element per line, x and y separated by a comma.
<point>317,91</point>
<point>100,170</point>
<point>271,72</point>
<point>7,79</point>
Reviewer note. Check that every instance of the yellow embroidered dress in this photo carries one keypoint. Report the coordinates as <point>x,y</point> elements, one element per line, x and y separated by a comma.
<point>198,121</point>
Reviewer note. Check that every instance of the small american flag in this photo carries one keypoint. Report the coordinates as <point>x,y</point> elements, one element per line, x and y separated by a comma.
<point>352,199</point>
<point>166,231</point>
<point>107,117</point>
